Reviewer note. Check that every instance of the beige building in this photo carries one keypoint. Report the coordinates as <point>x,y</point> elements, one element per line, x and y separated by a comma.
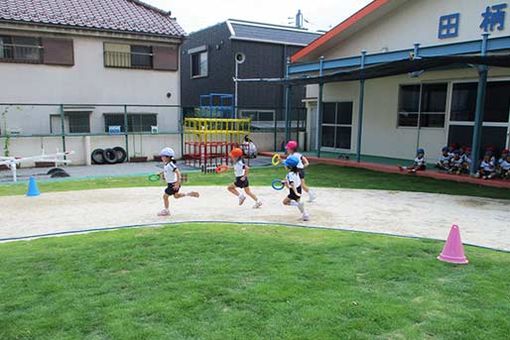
<point>428,108</point>
<point>83,60</point>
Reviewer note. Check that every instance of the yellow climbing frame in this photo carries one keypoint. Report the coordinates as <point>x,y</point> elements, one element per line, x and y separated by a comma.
<point>204,130</point>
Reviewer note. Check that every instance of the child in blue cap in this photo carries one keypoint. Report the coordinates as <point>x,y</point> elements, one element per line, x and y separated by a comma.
<point>419,163</point>
<point>293,183</point>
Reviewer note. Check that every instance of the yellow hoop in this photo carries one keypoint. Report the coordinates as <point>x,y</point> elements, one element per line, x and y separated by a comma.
<point>276,159</point>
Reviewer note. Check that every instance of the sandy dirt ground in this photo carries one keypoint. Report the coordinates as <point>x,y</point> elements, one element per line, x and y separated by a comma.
<point>482,221</point>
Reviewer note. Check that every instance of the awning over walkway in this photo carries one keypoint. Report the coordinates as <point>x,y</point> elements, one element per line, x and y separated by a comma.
<point>394,68</point>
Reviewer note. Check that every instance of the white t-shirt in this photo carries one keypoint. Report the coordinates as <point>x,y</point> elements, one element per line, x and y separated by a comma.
<point>444,159</point>
<point>169,172</point>
<point>487,166</point>
<point>300,165</point>
<point>292,177</point>
<point>419,161</point>
<point>239,168</point>
<point>457,162</point>
<point>505,165</point>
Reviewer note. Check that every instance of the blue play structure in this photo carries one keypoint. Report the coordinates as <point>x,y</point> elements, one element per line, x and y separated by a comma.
<point>217,105</point>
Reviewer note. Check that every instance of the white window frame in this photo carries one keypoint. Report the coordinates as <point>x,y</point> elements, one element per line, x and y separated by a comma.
<point>418,126</point>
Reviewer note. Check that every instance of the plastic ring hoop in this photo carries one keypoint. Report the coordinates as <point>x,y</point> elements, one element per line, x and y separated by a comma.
<point>276,159</point>
<point>221,168</point>
<point>154,178</point>
<point>277,184</point>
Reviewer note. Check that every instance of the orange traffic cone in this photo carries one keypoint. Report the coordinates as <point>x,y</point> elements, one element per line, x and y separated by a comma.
<point>453,251</point>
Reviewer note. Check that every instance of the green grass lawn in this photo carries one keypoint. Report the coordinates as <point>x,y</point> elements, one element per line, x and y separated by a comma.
<point>243,282</point>
<point>318,175</point>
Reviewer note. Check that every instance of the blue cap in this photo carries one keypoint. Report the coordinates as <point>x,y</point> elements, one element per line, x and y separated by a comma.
<point>444,149</point>
<point>291,161</point>
<point>420,150</point>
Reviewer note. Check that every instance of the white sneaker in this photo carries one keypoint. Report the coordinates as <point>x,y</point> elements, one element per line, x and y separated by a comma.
<point>242,199</point>
<point>306,217</point>
<point>164,212</point>
<point>257,205</point>
<point>312,197</point>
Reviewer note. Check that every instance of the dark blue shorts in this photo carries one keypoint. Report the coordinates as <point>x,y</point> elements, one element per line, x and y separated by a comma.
<point>292,195</point>
<point>171,190</point>
<point>239,183</point>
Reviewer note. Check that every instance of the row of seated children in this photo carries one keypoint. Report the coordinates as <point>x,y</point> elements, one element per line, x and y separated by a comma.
<point>454,160</point>
<point>458,161</point>
<point>490,167</point>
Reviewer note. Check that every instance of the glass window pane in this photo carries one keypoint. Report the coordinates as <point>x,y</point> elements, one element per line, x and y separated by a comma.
<point>141,56</point>
<point>409,98</point>
<point>408,119</point>
<point>79,123</point>
<point>497,105</point>
<point>433,98</point>
<point>432,120</point>
<point>328,136</point>
<point>463,102</point>
<point>343,137</point>
<point>344,113</point>
<point>328,114</point>
<point>203,64</point>
<point>26,48</point>
<point>114,120</point>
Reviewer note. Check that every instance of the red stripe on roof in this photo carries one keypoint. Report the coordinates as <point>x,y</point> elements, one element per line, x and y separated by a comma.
<point>340,28</point>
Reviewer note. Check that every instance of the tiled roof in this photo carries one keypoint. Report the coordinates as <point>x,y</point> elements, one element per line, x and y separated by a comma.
<point>271,33</point>
<point>131,16</point>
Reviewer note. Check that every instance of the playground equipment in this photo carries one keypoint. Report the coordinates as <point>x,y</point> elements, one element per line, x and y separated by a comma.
<point>208,141</point>
<point>12,162</point>
<point>217,105</point>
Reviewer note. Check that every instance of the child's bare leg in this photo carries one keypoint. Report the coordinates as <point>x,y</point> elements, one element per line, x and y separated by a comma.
<point>249,193</point>
<point>286,201</point>
<point>166,201</point>
<point>189,194</point>
<point>304,186</point>
<point>232,188</point>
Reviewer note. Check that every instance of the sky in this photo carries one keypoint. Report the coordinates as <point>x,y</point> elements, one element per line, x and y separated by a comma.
<point>194,15</point>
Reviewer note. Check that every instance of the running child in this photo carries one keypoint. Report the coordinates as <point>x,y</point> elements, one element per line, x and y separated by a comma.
<point>293,183</point>
<point>419,163</point>
<point>241,172</point>
<point>291,149</point>
<point>172,176</point>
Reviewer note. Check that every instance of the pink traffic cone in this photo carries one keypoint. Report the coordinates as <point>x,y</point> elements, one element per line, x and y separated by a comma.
<point>453,251</point>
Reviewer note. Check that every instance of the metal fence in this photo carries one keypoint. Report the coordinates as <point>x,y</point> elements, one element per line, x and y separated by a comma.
<point>141,130</point>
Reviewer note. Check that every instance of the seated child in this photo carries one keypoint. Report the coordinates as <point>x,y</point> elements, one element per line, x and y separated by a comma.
<point>504,154</point>
<point>456,163</point>
<point>444,160</point>
<point>466,157</point>
<point>249,148</point>
<point>487,167</point>
<point>505,167</point>
<point>419,163</point>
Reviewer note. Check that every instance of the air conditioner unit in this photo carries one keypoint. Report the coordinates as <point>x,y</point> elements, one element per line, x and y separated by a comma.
<point>154,129</point>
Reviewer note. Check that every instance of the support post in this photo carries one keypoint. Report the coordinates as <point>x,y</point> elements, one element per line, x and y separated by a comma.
<point>287,102</point>
<point>62,127</point>
<point>360,107</point>
<point>483,71</point>
<point>318,133</point>
<point>276,130</point>
<point>126,134</point>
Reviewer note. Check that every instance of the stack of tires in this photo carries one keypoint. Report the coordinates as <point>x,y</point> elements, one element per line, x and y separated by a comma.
<point>109,156</point>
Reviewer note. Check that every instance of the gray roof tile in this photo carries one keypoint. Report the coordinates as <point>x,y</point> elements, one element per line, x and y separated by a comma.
<point>272,33</point>
<point>131,16</point>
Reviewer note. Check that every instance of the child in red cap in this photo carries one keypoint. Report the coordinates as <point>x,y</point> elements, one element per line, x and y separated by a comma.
<point>241,182</point>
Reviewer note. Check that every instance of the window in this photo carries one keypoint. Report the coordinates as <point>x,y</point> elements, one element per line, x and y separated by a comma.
<point>337,125</point>
<point>199,64</point>
<point>20,49</point>
<point>75,122</point>
<point>422,105</point>
<point>128,56</point>
<point>137,122</point>
<point>260,119</point>
<point>497,103</point>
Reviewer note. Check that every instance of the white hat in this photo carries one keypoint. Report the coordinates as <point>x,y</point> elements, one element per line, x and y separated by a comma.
<point>167,152</point>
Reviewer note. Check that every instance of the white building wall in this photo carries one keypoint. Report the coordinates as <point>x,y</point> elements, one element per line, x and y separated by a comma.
<point>417,21</point>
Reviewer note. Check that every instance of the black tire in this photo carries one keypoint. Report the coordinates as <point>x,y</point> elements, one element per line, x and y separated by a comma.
<point>60,174</point>
<point>121,154</point>
<point>110,156</point>
<point>53,170</point>
<point>97,156</point>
